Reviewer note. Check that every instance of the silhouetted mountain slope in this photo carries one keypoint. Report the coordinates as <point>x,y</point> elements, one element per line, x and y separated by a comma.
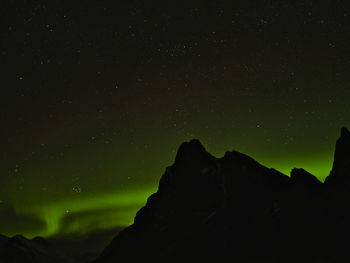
<point>19,249</point>
<point>233,209</point>
<point>67,249</point>
<point>341,165</point>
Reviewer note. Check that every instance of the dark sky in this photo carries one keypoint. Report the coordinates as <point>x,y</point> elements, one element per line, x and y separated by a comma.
<point>96,97</point>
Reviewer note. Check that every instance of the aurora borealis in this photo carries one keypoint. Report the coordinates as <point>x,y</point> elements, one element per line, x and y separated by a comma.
<point>97,97</point>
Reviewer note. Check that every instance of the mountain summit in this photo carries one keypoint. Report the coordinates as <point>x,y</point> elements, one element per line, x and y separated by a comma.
<point>341,164</point>
<point>233,209</point>
<point>191,151</point>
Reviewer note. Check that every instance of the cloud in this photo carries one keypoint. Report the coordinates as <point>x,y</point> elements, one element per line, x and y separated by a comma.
<point>86,221</point>
<point>12,223</point>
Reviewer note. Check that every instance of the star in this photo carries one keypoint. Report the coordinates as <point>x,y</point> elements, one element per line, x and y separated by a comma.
<point>77,189</point>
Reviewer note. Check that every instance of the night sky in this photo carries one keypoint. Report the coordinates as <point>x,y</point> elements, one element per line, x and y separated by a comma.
<point>97,96</point>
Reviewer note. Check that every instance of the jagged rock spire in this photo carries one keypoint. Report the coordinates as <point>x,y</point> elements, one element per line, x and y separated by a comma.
<point>191,151</point>
<point>341,164</point>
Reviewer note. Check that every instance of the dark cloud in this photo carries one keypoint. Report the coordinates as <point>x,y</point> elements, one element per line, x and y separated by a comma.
<point>85,222</point>
<point>11,223</point>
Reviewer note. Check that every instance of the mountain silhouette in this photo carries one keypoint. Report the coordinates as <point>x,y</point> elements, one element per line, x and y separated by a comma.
<point>233,209</point>
<point>229,209</point>
<point>60,249</point>
<point>37,250</point>
<point>341,165</point>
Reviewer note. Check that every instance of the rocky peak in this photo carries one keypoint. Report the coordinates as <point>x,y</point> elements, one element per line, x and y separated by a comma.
<point>192,151</point>
<point>234,206</point>
<point>301,177</point>
<point>345,132</point>
<point>342,150</point>
<point>341,164</point>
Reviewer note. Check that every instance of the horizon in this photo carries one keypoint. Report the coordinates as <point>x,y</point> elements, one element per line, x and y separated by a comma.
<point>97,97</point>
<point>131,200</point>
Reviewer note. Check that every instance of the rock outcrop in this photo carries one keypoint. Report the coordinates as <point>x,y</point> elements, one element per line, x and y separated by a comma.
<point>232,209</point>
<point>37,250</point>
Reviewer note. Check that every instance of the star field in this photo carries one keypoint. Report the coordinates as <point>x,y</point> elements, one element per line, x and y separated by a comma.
<point>97,97</point>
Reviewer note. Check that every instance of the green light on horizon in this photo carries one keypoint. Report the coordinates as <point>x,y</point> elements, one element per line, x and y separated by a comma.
<point>84,214</point>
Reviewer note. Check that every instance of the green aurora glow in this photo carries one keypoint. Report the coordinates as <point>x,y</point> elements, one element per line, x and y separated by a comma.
<point>82,214</point>
<point>106,211</point>
<point>97,97</point>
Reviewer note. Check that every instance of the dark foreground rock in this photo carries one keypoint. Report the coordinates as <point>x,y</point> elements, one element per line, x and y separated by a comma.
<point>19,249</point>
<point>233,209</point>
<point>61,249</point>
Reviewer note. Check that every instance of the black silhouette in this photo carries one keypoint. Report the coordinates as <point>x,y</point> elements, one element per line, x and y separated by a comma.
<point>229,209</point>
<point>233,209</point>
<point>62,249</point>
<point>37,250</point>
